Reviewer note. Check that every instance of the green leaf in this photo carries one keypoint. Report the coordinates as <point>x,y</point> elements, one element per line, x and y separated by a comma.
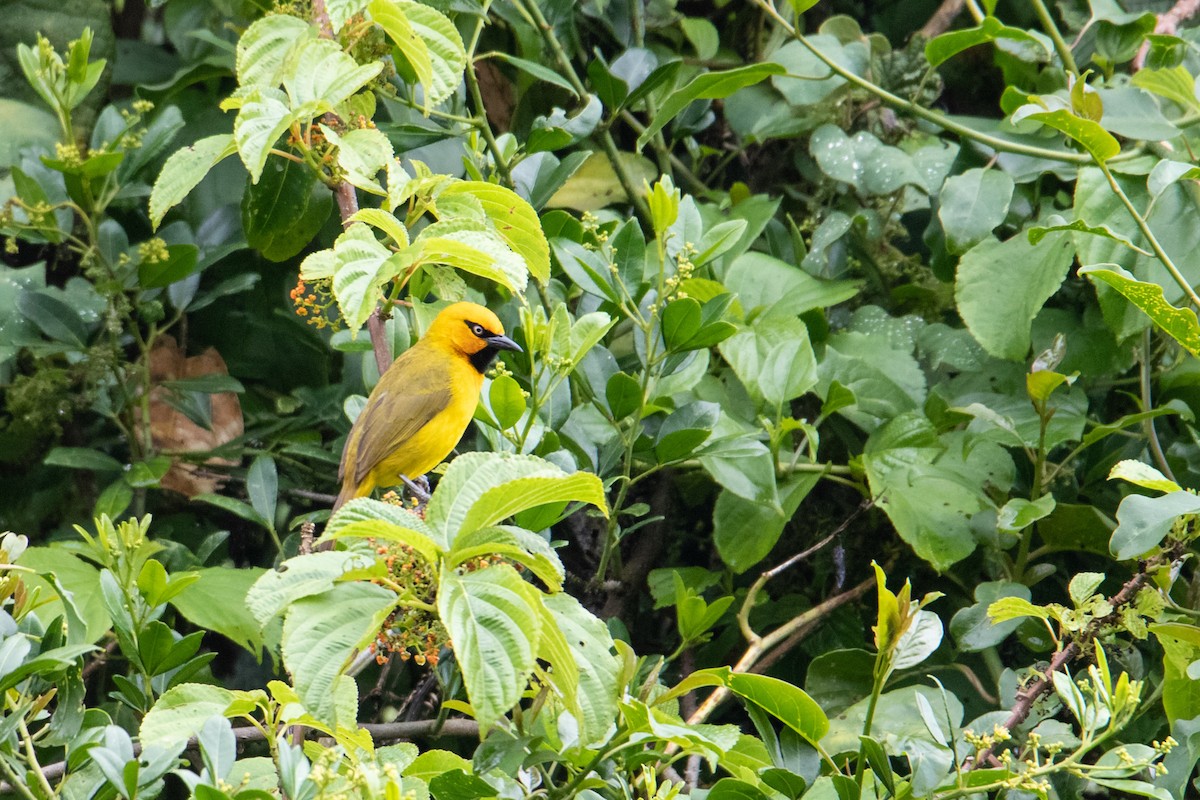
<point>182,711</point>
<point>1099,143</point>
<point>766,286</point>
<point>1180,324</point>
<point>321,634</point>
<point>907,464</point>
<point>1175,84</point>
<point>264,117</point>
<point>947,45</point>
<point>362,154</point>
<point>262,484</point>
<point>234,506</point>
<point>472,476</point>
<point>1039,232</point>
<point>1143,475</point>
<point>1143,522</point>
<point>213,383</point>
<point>507,401</point>
<point>264,50</point>
<point>745,532</point>
<point>513,220</point>
<point>322,76</point>
<point>363,265</point>
<point>303,576</point>
<point>185,169</point>
<point>231,617</point>
<point>1000,319</point>
<point>590,645</point>
<point>442,43</point>
<point>53,317</point>
<point>492,618</point>
<point>82,458</point>
<point>680,322</point>
<point>708,86</point>
<point>181,261</point>
<point>773,358</point>
<point>283,211</point>
<point>623,394</point>
<point>536,70</point>
<point>972,204</point>
<point>1019,513</point>
<point>511,542</point>
<point>366,517</point>
<point>478,251</point>
<point>512,497</point>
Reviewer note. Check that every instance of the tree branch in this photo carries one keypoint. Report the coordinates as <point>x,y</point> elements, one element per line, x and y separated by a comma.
<point>1027,696</point>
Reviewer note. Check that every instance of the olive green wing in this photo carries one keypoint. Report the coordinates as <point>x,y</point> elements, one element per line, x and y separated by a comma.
<point>408,397</point>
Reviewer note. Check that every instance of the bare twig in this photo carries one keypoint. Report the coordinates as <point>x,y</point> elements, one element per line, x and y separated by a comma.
<point>1168,23</point>
<point>1027,696</point>
<point>941,20</point>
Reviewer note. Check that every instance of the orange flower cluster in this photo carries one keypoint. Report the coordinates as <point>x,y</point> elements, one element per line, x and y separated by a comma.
<point>410,632</point>
<point>314,303</point>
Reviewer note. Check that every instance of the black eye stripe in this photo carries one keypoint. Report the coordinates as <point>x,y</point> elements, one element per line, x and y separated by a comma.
<point>478,330</point>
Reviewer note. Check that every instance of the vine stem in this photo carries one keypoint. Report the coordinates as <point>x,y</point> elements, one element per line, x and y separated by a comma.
<point>1144,374</point>
<point>1060,44</point>
<point>1144,227</point>
<point>996,143</point>
<point>472,81</point>
<point>546,30</point>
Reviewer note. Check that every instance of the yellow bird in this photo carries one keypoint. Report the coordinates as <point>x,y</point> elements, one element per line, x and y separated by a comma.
<point>423,402</point>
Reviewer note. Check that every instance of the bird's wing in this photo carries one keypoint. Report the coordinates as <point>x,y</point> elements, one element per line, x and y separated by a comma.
<point>412,398</point>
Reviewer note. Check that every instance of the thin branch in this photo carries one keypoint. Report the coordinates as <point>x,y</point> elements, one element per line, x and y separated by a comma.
<point>942,19</point>
<point>1027,696</point>
<point>1168,23</point>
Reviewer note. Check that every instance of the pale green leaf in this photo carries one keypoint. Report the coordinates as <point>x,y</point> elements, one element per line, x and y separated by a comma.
<point>297,578</point>
<point>340,11</point>
<point>514,221</point>
<point>363,265</point>
<point>390,15</point>
<point>264,51</point>
<point>1180,324</point>
<point>362,153</point>
<point>447,55</point>
<point>1143,475</point>
<point>263,118</point>
<point>1001,287</point>
<point>599,669</point>
<point>324,76</point>
<point>321,633</point>
<point>231,617</point>
<point>378,218</point>
<point>184,169</point>
<point>181,712</point>
<point>469,478</point>
<point>479,252</point>
<point>511,497</point>
<point>493,620</point>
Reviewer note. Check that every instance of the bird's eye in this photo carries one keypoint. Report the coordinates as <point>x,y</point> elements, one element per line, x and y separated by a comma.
<point>478,330</point>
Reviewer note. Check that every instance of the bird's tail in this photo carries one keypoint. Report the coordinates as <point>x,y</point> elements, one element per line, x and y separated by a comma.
<point>350,491</point>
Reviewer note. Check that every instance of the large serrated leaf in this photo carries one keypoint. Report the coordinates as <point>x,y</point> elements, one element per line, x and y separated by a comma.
<point>512,497</point>
<point>297,578</point>
<point>493,620</point>
<point>265,50</point>
<point>479,252</point>
<point>469,477</point>
<point>361,269</point>
<point>263,118</point>
<point>447,55</point>
<point>324,76</point>
<point>590,645</point>
<point>514,220</point>
<point>321,634</point>
<point>184,170</point>
<point>514,543</point>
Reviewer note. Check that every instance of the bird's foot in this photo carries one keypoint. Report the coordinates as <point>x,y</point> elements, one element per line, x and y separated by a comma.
<point>419,488</point>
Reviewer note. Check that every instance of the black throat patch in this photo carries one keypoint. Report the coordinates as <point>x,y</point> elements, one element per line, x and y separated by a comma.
<point>482,359</point>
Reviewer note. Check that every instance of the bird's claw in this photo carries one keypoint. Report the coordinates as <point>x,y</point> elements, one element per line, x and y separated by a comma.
<point>419,487</point>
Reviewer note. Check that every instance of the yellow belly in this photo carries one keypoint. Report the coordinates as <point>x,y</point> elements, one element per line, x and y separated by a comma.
<point>428,447</point>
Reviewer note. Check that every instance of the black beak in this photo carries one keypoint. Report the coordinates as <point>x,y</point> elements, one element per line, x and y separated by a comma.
<point>503,343</point>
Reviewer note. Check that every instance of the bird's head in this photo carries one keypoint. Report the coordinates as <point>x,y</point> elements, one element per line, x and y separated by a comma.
<point>472,331</point>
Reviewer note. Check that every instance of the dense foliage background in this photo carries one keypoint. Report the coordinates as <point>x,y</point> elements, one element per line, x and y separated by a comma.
<point>816,299</point>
